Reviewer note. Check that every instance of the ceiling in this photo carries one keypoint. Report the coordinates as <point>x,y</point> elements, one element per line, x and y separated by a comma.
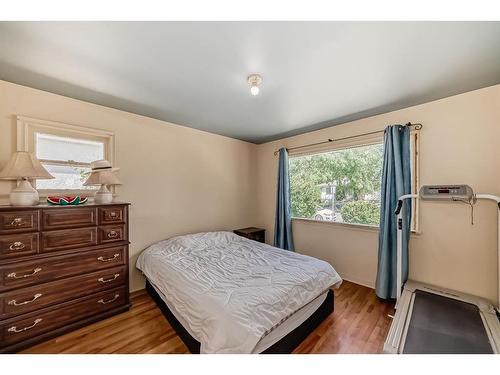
<point>316,74</point>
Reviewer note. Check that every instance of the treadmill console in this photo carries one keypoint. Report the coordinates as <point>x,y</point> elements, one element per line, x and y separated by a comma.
<point>446,192</point>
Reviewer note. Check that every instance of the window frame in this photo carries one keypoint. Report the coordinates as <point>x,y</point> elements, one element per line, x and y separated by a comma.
<point>28,127</point>
<point>361,141</point>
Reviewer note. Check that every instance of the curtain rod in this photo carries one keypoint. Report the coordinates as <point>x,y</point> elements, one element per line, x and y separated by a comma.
<point>417,126</point>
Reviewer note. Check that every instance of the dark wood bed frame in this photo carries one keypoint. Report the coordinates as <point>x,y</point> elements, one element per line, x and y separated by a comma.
<point>284,346</point>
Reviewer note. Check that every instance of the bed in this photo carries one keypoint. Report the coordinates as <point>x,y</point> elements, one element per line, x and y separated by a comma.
<point>223,293</point>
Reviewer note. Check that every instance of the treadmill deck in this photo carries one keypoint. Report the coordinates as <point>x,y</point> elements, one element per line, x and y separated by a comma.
<point>442,325</point>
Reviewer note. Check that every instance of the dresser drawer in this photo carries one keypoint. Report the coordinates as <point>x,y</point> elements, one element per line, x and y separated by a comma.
<point>68,239</point>
<point>68,217</point>
<point>54,268</point>
<point>23,328</point>
<point>20,221</point>
<point>112,233</point>
<point>111,215</point>
<point>18,245</point>
<point>32,298</point>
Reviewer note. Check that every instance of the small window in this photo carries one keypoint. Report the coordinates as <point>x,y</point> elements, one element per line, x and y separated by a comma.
<point>66,151</point>
<point>341,186</point>
<point>67,159</point>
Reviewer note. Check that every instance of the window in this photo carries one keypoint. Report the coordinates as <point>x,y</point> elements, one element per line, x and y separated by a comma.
<point>342,186</point>
<point>67,159</point>
<point>66,151</point>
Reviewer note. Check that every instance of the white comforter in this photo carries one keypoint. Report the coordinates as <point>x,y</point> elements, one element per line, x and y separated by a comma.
<point>232,291</point>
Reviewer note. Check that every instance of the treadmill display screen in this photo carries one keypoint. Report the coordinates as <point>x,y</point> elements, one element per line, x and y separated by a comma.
<point>446,192</point>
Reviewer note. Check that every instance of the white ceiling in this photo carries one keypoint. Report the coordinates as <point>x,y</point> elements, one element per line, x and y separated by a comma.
<point>316,74</point>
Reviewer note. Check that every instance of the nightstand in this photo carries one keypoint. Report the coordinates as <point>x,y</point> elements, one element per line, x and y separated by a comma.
<point>256,234</point>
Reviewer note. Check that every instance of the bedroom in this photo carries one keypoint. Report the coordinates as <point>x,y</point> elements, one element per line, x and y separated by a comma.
<point>242,183</point>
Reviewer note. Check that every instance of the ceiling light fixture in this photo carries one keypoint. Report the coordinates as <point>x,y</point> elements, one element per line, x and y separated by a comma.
<point>254,80</point>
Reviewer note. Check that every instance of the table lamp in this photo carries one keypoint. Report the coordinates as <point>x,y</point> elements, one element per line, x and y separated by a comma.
<point>22,166</point>
<point>102,174</point>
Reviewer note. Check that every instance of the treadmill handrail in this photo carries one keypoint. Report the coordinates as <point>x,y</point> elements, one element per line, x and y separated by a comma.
<point>399,252</point>
<point>496,199</point>
<point>399,238</point>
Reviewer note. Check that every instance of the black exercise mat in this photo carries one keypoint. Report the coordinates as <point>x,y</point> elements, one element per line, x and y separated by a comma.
<point>441,325</point>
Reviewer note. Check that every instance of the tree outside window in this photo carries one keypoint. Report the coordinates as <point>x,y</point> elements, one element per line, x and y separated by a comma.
<point>339,186</point>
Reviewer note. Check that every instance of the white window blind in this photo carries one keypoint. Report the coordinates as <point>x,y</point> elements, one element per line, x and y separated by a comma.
<point>55,148</point>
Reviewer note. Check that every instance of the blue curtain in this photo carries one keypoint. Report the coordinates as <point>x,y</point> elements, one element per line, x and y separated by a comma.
<point>396,181</point>
<point>283,222</point>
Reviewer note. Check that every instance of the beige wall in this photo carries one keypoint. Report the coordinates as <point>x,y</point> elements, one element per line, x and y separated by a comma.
<point>459,143</point>
<point>179,180</point>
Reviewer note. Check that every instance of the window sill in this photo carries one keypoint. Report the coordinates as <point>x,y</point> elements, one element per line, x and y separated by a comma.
<point>43,193</point>
<point>371,228</point>
<point>363,227</point>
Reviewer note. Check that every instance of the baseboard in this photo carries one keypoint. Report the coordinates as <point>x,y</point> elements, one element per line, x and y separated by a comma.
<point>137,292</point>
<point>370,285</point>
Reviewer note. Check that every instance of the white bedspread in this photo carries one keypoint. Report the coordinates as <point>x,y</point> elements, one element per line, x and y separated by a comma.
<point>231,291</point>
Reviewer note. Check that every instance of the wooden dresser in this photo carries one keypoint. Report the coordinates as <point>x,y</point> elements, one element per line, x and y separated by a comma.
<point>61,267</point>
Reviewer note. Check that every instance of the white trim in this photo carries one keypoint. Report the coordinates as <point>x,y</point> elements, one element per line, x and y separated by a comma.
<point>374,228</point>
<point>61,125</point>
<point>354,226</point>
<point>339,145</point>
<point>415,158</point>
<point>27,125</point>
<point>353,280</point>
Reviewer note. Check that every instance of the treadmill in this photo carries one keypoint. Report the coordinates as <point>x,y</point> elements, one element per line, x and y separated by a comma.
<point>434,320</point>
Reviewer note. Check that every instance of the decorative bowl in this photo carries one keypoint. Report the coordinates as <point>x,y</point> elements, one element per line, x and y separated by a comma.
<point>67,201</point>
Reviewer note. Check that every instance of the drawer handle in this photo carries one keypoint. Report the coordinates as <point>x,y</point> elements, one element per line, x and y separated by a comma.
<point>17,246</point>
<point>102,259</point>
<point>113,215</point>
<point>15,330</point>
<point>16,222</point>
<point>13,275</point>
<point>15,303</point>
<point>109,300</point>
<point>112,234</point>
<point>104,281</point>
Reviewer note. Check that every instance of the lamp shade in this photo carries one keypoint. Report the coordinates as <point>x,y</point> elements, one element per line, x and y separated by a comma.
<point>24,165</point>
<point>102,178</point>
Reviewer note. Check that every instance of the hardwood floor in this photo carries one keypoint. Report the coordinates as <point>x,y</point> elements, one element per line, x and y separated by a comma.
<point>358,325</point>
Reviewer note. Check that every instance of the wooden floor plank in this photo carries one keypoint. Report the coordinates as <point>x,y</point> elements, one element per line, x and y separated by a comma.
<point>359,324</point>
